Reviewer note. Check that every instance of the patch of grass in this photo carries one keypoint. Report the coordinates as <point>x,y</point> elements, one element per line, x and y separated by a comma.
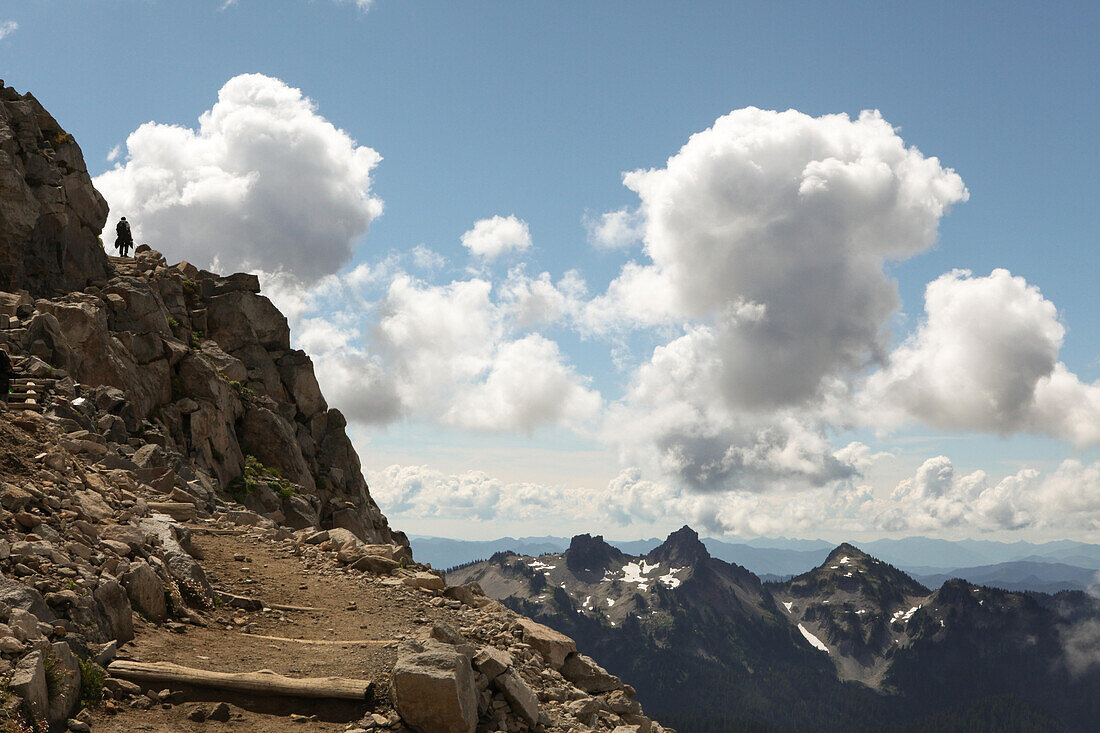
<point>91,683</point>
<point>189,286</point>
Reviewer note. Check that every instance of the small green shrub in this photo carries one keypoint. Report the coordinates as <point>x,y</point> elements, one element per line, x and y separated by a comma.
<point>244,392</point>
<point>256,473</point>
<point>91,683</point>
<point>189,286</point>
<point>55,674</point>
<point>173,323</point>
<point>58,139</point>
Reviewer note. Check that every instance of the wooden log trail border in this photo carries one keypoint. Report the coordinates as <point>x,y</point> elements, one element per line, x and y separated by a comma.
<point>263,682</point>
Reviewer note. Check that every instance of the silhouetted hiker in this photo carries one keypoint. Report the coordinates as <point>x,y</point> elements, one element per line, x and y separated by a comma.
<point>125,241</point>
<point>7,373</point>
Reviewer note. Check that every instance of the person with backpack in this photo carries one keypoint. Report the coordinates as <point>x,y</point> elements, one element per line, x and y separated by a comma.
<point>7,373</point>
<point>125,241</point>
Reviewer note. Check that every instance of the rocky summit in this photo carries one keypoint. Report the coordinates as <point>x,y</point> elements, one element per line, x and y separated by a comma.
<point>187,541</point>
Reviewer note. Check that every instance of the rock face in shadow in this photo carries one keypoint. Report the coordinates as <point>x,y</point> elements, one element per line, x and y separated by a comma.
<point>50,214</point>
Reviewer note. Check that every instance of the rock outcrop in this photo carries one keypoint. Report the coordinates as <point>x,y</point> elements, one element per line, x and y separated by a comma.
<point>50,214</point>
<point>197,371</point>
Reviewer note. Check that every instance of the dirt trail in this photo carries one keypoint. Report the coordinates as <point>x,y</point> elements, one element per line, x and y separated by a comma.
<point>354,635</point>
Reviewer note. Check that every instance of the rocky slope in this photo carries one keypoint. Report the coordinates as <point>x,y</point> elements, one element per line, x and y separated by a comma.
<point>164,434</point>
<point>856,609</point>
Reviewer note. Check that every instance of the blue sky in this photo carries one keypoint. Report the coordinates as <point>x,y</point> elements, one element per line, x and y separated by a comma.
<point>535,110</point>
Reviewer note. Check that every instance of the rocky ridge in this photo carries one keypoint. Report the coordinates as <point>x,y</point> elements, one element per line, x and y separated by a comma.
<point>852,644</point>
<point>161,411</point>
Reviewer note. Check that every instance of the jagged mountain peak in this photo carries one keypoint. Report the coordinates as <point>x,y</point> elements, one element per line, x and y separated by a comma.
<point>588,553</point>
<point>682,547</point>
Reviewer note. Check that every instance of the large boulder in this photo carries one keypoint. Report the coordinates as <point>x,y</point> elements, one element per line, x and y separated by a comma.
<point>65,692</point>
<point>16,595</point>
<point>28,681</point>
<point>552,645</point>
<point>434,692</point>
<point>589,676</point>
<point>146,591</point>
<point>115,611</point>
<point>50,213</point>
<point>241,318</point>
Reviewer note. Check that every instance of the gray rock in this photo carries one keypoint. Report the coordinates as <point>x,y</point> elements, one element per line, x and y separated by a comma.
<point>16,595</point>
<point>220,713</point>
<point>492,662</point>
<point>29,682</point>
<point>66,693</point>
<point>434,692</point>
<point>586,674</point>
<point>146,591</point>
<point>522,698</point>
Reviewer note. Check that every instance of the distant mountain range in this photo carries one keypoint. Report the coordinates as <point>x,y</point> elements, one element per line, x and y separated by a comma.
<point>1018,566</point>
<point>853,643</point>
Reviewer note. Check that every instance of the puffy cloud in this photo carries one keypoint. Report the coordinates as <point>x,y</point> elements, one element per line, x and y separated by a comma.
<point>449,349</point>
<point>7,27</point>
<point>427,259</point>
<point>536,301</point>
<point>671,420</point>
<point>936,497</point>
<point>615,229</point>
<point>986,358</point>
<point>449,354</point>
<point>794,217</point>
<point>528,385</point>
<point>265,182</point>
<point>490,238</point>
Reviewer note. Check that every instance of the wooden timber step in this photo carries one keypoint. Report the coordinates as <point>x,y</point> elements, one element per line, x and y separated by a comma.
<point>264,682</point>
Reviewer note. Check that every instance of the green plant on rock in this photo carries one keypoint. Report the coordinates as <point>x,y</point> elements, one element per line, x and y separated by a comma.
<point>189,286</point>
<point>91,683</point>
<point>244,392</point>
<point>55,674</point>
<point>196,344</point>
<point>58,139</point>
<point>256,473</point>
<point>173,323</point>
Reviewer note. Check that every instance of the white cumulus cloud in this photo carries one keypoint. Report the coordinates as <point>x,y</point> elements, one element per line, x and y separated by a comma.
<point>615,229</point>
<point>491,238</point>
<point>265,182</point>
<point>986,358</point>
<point>796,217</point>
<point>7,27</point>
